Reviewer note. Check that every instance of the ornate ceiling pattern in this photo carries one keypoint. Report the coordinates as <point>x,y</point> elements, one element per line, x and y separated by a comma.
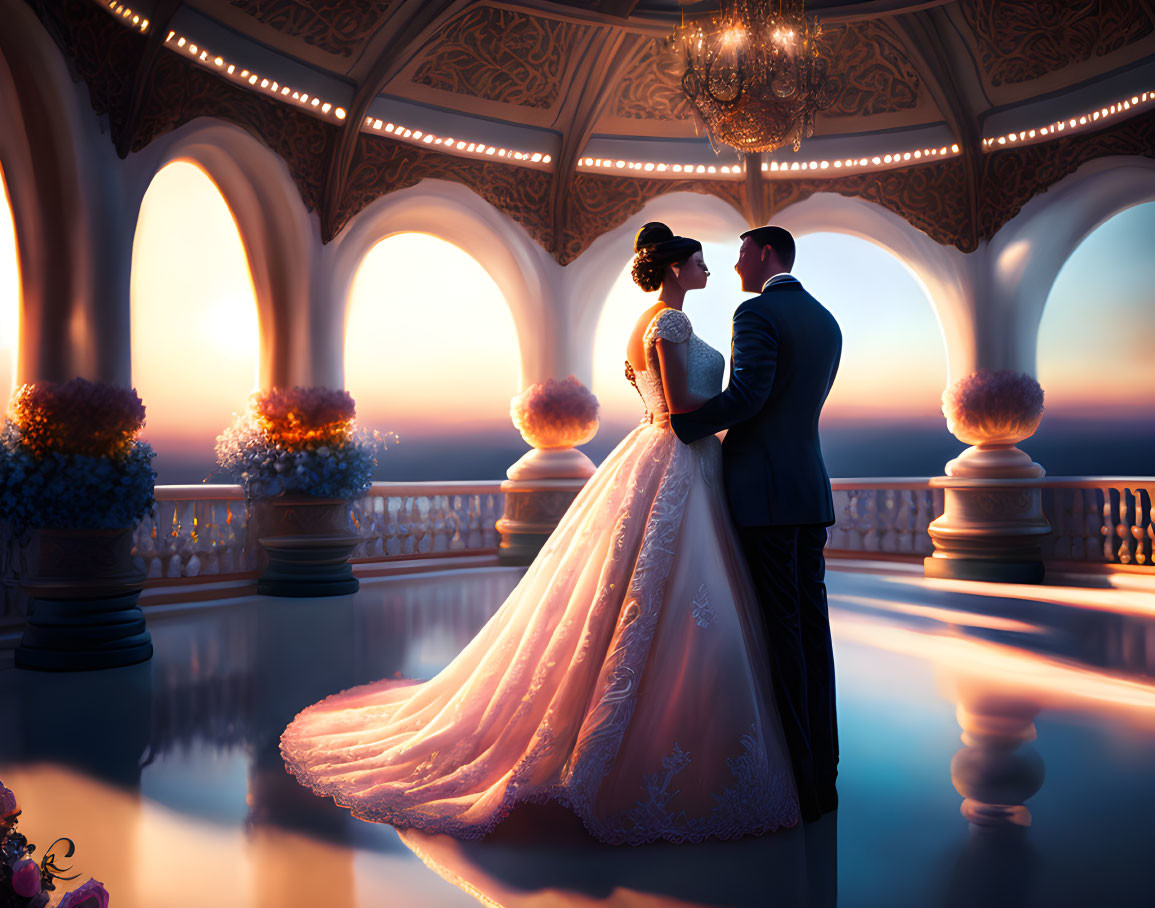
<point>90,41</point>
<point>500,55</point>
<point>1014,176</point>
<point>871,71</point>
<point>334,26</point>
<point>959,201</point>
<point>650,91</point>
<point>382,165</point>
<point>1021,40</point>
<point>601,203</point>
<point>180,93</point>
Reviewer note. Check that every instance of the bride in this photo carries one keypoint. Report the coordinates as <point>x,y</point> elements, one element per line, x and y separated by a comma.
<point>625,675</point>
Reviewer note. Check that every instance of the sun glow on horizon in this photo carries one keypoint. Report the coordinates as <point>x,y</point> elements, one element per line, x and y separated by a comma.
<point>195,339</point>
<point>431,348</point>
<point>9,296</point>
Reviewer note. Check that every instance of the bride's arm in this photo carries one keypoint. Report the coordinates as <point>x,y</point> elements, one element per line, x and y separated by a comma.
<point>674,361</point>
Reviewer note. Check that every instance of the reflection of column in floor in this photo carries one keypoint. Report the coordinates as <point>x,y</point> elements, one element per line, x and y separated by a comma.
<point>81,739</point>
<point>996,771</point>
<point>303,653</point>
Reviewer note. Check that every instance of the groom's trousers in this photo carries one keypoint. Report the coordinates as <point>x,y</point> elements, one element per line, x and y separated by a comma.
<point>789,571</point>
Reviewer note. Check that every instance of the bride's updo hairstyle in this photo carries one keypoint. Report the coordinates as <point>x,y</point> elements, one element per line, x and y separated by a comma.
<point>657,249</point>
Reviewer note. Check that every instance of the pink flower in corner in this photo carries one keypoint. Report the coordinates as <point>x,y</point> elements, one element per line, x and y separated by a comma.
<point>26,878</point>
<point>7,801</point>
<point>91,895</point>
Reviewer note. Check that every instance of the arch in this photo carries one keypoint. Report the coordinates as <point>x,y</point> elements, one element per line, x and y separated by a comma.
<point>945,273</point>
<point>279,236</point>
<point>1030,250</point>
<point>453,213</point>
<point>455,355</point>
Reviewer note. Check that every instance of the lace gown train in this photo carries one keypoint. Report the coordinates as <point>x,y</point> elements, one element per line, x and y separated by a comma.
<point>625,675</point>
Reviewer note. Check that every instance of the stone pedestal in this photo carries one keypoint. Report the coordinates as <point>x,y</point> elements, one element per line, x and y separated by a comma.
<point>306,543</point>
<point>540,488</point>
<point>83,612</point>
<point>992,526</point>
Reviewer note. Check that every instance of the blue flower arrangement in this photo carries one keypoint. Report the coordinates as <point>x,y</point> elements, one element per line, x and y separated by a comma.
<point>69,458</point>
<point>300,441</point>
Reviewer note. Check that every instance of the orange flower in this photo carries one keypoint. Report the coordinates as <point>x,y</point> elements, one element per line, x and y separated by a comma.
<point>78,417</point>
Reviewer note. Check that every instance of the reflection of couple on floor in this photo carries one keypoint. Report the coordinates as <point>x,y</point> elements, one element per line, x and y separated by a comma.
<point>664,667</point>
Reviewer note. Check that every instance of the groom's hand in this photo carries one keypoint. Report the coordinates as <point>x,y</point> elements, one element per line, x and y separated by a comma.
<point>753,361</point>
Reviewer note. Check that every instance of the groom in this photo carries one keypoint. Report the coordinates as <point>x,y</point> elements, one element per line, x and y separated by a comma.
<point>783,359</point>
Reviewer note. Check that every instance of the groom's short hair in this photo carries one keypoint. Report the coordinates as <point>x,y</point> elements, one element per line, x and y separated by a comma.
<point>777,238</point>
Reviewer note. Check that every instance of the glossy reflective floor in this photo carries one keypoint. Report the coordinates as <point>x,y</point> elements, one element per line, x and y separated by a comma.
<point>167,775</point>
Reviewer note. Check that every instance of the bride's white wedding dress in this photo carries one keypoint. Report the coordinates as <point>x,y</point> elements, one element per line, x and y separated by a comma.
<point>625,676</point>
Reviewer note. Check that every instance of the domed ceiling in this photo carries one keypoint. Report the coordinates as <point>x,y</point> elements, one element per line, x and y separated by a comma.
<point>565,115</point>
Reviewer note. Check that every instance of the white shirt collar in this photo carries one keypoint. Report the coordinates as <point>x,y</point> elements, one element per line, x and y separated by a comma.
<point>778,279</point>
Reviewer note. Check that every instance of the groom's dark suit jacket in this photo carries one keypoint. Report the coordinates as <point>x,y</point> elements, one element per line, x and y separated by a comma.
<point>783,359</point>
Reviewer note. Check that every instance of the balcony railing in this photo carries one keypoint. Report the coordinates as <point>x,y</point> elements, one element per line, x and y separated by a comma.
<point>882,518</point>
<point>197,534</point>
<point>199,531</point>
<point>1094,520</point>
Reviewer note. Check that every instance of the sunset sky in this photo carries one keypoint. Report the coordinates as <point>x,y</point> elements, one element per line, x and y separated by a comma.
<point>194,315</point>
<point>9,295</point>
<point>428,336</point>
<point>431,349</point>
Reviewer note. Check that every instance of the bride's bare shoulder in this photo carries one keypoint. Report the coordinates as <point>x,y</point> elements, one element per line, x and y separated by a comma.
<point>635,347</point>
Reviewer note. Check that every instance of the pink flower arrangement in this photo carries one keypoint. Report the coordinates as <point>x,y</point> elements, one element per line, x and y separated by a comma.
<point>304,412</point>
<point>555,414</point>
<point>78,417</point>
<point>1002,407</point>
<point>91,895</point>
<point>300,441</point>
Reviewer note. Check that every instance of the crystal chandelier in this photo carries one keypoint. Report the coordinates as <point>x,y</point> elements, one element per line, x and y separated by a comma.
<point>754,73</point>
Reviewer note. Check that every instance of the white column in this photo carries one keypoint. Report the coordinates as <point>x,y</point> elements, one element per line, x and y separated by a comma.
<point>73,233</point>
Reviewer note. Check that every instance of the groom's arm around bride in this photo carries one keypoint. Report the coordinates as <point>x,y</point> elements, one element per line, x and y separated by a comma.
<point>784,356</point>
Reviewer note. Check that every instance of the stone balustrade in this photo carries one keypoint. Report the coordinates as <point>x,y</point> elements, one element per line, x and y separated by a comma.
<point>199,530</point>
<point>196,533</point>
<point>1109,520</point>
<point>414,519</point>
<point>1094,520</point>
<point>882,517</point>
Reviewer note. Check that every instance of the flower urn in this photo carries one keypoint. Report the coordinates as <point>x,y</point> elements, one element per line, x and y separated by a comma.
<point>554,417</point>
<point>83,611</point>
<point>306,543</point>
<point>992,526</point>
<point>301,460</point>
<point>75,478</point>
